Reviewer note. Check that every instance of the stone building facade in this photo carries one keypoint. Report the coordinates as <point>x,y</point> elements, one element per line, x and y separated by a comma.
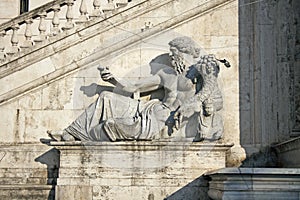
<point>48,67</point>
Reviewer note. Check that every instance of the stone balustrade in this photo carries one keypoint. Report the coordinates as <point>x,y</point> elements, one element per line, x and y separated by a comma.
<point>49,20</point>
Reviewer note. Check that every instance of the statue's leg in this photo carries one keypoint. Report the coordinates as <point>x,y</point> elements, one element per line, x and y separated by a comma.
<point>79,127</point>
<point>123,128</point>
<point>97,133</point>
<point>109,105</point>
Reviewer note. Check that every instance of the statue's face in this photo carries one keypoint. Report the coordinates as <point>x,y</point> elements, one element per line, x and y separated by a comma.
<point>209,109</point>
<point>180,60</point>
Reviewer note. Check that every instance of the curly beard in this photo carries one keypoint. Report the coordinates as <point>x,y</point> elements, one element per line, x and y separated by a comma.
<point>178,63</point>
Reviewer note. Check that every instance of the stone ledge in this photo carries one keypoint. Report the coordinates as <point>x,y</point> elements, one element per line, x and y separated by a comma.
<point>25,187</point>
<point>143,145</point>
<point>255,171</point>
<point>36,192</point>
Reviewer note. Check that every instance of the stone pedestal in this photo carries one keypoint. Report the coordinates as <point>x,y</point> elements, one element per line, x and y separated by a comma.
<point>254,183</point>
<point>136,170</point>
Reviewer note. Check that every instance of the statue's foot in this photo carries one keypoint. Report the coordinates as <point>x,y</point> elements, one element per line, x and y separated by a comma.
<point>55,135</point>
<point>60,135</point>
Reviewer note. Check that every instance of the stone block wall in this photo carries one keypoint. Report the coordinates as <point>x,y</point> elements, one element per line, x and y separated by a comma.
<point>269,71</point>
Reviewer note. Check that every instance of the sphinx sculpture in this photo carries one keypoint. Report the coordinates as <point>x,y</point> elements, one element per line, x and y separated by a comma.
<point>190,92</point>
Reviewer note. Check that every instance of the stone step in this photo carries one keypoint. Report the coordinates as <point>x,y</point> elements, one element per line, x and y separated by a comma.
<point>288,153</point>
<point>28,191</point>
<point>28,164</point>
<point>254,183</point>
<point>36,176</point>
<point>23,172</point>
<point>24,180</point>
<point>21,156</point>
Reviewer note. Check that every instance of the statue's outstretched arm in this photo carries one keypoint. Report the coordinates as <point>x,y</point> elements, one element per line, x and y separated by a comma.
<point>146,84</point>
<point>143,85</point>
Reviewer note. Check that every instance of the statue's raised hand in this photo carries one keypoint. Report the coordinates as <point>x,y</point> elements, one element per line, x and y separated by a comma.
<point>105,74</point>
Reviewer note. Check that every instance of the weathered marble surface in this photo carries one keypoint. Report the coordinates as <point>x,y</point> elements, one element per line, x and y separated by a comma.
<point>288,153</point>
<point>137,170</point>
<point>254,183</point>
<point>28,171</point>
<point>46,88</point>
<point>269,72</point>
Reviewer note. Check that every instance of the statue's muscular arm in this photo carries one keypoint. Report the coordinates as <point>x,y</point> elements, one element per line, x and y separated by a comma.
<point>142,85</point>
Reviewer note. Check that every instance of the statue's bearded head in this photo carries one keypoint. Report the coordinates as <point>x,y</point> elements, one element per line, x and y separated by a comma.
<point>181,49</point>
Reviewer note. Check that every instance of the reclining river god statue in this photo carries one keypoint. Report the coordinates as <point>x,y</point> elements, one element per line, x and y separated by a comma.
<point>191,103</point>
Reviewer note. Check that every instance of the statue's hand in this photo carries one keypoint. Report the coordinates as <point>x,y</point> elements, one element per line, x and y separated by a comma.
<point>105,74</point>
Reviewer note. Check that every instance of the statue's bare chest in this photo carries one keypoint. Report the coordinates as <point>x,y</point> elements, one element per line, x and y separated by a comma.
<point>184,84</point>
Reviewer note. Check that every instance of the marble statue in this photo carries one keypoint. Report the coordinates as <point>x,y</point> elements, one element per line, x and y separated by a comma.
<point>190,91</point>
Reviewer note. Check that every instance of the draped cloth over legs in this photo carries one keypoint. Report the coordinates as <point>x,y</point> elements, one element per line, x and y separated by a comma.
<point>115,117</point>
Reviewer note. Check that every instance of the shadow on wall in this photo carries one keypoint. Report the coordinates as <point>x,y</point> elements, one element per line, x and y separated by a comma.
<point>51,159</point>
<point>195,190</point>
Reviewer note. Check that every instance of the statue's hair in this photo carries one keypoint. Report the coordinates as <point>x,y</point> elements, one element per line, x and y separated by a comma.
<point>209,59</point>
<point>186,45</point>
